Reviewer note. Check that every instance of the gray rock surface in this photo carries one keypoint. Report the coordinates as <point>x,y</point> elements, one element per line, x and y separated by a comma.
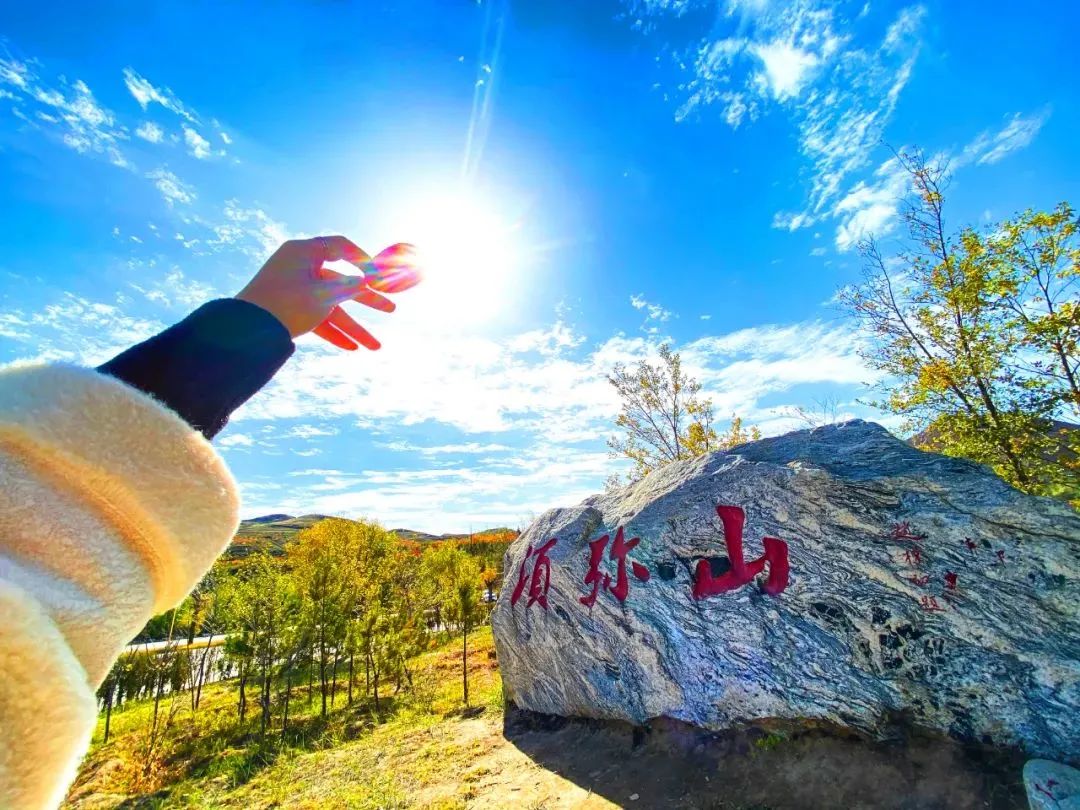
<point>920,586</point>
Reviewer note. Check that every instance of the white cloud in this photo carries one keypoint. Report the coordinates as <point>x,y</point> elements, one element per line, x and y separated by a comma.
<point>146,94</point>
<point>13,325</point>
<point>14,72</point>
<point>311,431</point>
<point>483,385</point>
<point>553,412</point>
<point>787,67</point>
<point>808,59</point>
<point>453,499</point>
<point>904,27</point>
<point>653,312</point>
<point>870,208</point>
<point>468,448</point>
<point>235,440</point>
<point>736,108</point>
<point>68,111</point>
<point>791,221</point>
<point>149,131</point>
<point>177,290</point>
<point>197,144</point>
<point>250,230</point>
<point>76,329</point>
<point>172,188</point>
<point>1016,134</point>
<point>548,342</point>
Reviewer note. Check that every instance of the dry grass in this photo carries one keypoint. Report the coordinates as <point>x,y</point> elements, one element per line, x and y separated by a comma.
<point>355,758</point>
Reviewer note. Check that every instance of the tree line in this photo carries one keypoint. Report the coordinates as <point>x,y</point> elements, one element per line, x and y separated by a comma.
<point>347,607</point>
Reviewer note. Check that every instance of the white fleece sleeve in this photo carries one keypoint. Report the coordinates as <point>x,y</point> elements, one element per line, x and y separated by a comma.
<point>111,509</point>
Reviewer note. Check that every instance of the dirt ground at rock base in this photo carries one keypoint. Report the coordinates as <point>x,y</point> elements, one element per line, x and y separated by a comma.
<point>552,763</point>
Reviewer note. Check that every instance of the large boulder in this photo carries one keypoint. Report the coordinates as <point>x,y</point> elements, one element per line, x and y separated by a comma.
<point>893,584</point>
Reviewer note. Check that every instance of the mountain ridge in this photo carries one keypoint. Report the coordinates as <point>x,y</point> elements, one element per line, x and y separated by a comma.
<point>274,531</point>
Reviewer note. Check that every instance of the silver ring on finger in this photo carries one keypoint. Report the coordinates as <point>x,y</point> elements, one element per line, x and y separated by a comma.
<point>320,256</point>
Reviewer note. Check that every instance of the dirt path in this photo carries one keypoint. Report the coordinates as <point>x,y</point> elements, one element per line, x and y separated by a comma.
<point>563,765</point>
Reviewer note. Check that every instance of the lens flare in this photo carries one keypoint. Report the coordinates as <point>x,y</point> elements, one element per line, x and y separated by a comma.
<point>395,269</point>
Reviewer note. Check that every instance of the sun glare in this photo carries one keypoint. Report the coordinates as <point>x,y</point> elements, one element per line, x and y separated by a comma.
<point>467,250</point>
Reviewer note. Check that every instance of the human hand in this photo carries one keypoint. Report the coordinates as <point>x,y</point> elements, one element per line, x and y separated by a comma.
<point>294,287</point>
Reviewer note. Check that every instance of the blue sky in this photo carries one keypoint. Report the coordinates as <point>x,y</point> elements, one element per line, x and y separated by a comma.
<point>655,170</point>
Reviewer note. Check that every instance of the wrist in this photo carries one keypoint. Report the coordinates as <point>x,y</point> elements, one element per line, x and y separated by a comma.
<point>255,301</point>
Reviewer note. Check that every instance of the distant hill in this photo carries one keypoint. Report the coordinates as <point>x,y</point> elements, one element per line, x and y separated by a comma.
<point>267,519</point>
<point>424,537</point>
<point>274,532</point>
<point>270,532</point>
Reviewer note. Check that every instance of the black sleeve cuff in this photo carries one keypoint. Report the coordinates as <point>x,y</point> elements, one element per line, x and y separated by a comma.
<point>209,364</point>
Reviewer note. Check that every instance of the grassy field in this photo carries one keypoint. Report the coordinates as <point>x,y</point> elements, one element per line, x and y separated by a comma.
<point>357,758</point>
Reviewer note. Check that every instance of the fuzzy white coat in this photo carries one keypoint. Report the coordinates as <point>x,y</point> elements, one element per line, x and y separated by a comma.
<point>111,509</point>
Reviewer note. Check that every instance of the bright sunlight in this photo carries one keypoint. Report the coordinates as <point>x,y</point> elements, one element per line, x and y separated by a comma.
<point>468,249</point>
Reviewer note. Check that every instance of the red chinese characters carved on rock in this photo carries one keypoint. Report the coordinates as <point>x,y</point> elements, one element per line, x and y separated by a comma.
<point>540,582</point>
<point>619,549</point>
<point>930,604</point>
<point>903,531</point>
<point>733,519</point>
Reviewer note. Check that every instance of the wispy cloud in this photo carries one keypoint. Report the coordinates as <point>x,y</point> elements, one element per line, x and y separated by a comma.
<point>810,61</point>
<point>839,79</point>
<point>172,188</point>
<point>67,110</point>
<point>76,329</point>
<point>236,440</point>
<point>870,208</point>
<point>177,290</point>
<point>250,230</point>
<point>146,94</point>
<point>311,431</point>
<point>654,313</point>
<point>468,448</point>
<point>151,132</point>
<point>197,144</point>
<point>1019,131</point>
<point>477,385</point>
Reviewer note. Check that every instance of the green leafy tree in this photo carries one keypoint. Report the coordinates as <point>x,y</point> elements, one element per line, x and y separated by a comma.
<point>467,602</point>
<point>323,561</point>
<point>663,417</point>
<point>736,435</point>
<point>454,578</point>
<point>976,334</point>
<point>266,609</point>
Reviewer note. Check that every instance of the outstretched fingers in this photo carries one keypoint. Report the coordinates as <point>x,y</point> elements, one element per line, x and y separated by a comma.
<point>337,248</point>
<point>334,336</point>
<point>340,288</point>
<point>341,319</point>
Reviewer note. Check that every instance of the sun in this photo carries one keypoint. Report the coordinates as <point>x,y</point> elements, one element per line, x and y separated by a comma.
<point>468,250</point>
